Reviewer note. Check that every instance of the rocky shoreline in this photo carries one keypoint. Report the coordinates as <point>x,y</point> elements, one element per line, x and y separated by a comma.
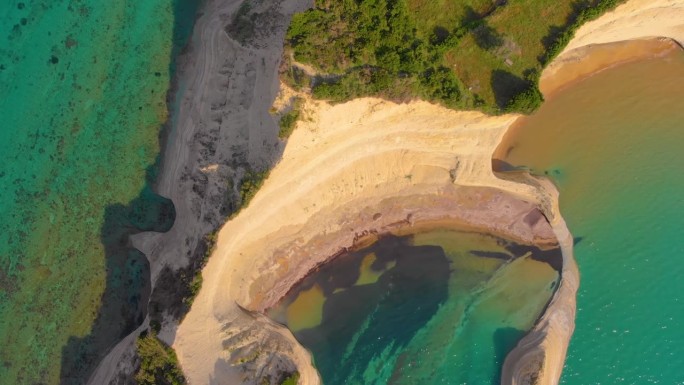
<point>486,210</point>
<point>220,130</point>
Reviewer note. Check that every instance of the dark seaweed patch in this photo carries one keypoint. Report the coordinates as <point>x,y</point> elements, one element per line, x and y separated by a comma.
<point>554,257</point>
<point>402,301</point>
<point>491,254</point>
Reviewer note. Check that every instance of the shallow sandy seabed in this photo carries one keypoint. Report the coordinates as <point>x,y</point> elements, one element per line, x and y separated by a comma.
<point>413,162</point>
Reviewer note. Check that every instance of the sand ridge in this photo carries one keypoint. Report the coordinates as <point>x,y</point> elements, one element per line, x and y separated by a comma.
<point>634,30</point>
<point>586,61</point>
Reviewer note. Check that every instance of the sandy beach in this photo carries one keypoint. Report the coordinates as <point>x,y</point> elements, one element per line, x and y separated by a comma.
<point>635,30</point>
<point>348,170</point>
<point>586,61</point>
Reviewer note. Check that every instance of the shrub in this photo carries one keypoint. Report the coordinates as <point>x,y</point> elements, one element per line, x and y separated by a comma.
<point>287,124</point>
<point>293,379</point>
<point>158,362</point>
<point>295,77</point>
<point>441,84</point>
<point>527,101</point>
<point>251,183</point>
<point>289,120</point>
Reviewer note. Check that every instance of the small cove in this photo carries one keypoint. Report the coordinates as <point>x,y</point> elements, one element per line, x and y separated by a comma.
<point>442,305</point>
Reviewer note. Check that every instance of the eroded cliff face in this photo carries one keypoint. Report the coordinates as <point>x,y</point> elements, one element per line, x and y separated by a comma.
<point>220,130</point>
<point>350,171</point>
<point>362,220</point>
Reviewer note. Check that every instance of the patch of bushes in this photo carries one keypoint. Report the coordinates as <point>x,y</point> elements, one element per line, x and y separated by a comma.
<point>195,283</point>
<point>527,101</point>
<point>374,48</point>
<point>158,362</point>
<point>294,76</point>
<point>292,379</point>
<point>251,182</point>
<point>379,48</point>
<point>289,120</point>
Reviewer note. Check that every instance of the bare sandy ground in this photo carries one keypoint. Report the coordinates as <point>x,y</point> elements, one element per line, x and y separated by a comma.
<point>589,60</point>
<point>636,19</point>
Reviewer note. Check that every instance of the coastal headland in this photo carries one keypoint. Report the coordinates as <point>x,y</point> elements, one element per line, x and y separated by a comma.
<point>348,171</point>
<point>358,167</point>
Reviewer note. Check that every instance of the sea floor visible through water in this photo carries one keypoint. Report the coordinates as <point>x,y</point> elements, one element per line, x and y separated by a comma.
<point>84,86</point>
<point>443,306</point>
<point>613,145</point>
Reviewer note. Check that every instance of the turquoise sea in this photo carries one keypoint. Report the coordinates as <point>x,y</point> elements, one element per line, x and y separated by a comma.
<point>443,306</point>
<point>83,87</point>
<point>83,99</point>
<point>613,144</point>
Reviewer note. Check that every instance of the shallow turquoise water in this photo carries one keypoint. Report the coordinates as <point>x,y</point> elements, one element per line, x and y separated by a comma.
<point>82,100</point>
<point>613,144</point>
<point>440,307</point>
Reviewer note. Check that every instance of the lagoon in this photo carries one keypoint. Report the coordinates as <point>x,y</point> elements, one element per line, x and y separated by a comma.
<point>442,305</point>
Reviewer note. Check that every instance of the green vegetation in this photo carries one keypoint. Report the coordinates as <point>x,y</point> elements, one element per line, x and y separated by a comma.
<point>526,101</point>
<point>195,270</point>
<point>251,183</point>
<point>479,54</point>
<point>292,379</point>
<point>289,120</point>
<point>560,40</point>
<point>158,362</point>
<point>293,76</point>
<point>372,48</point>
